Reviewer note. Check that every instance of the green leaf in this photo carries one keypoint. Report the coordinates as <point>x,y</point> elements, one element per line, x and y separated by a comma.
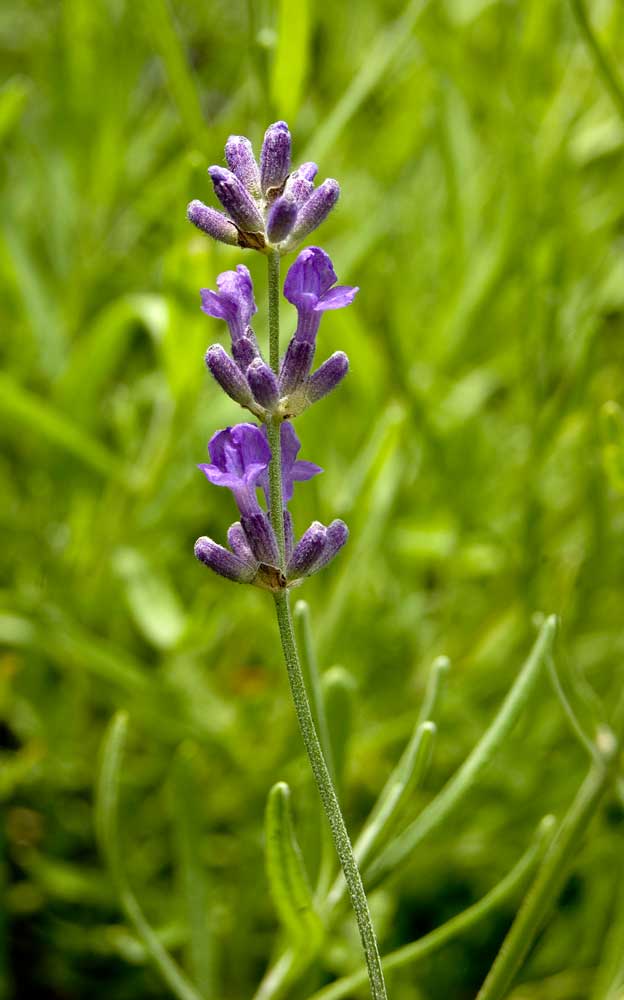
<point>288,880</point>
<point>339,687</point>
<point>187,796</point>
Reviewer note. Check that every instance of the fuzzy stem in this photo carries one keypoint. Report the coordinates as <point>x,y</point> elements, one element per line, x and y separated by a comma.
<point>273,426</point>
<point>329,797</point>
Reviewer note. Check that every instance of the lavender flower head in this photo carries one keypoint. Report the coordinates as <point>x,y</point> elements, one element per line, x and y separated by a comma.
<point>240,457</point>
<point>310,286</point>
<point>266,207</point>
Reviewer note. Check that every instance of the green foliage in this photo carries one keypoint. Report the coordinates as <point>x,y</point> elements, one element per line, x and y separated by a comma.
<point>476,452</point>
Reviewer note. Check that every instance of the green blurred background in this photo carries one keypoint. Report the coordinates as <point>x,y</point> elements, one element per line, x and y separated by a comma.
<point>470,452</point>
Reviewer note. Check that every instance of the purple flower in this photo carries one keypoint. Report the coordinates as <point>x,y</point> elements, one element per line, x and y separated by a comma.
<point>310,286</point>
<point>293,469</point>
<point>240,458</point>
<point>235,303</point>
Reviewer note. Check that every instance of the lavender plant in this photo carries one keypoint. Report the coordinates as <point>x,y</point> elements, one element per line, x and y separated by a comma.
<point>271,209</point>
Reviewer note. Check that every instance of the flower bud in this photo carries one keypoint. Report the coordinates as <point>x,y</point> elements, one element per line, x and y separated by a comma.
<point>236,200</point>
<point>307,170</point>
<point>315,210</point>
<point>336,537</point>
<point>225,563</point>
<point>307,552</point>
<point>275,158</point>
<point>327,377</point>
<point>244,351</point>
<point>213,223</point>
<point>296,365</point>
<point>263,383</point>
<point>282,216</point>
<point>242,162</point>
<point>237,540</point>
<point>228,375</point>
<point>261,538</point>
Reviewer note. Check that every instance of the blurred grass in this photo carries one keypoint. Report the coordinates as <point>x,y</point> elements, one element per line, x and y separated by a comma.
<point>475,452</point>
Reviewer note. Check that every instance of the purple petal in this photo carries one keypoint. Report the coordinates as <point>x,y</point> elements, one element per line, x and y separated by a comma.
<point>337,298</point>
<point>312,274</point>
<point>301,471</point>
<point>234,302</point>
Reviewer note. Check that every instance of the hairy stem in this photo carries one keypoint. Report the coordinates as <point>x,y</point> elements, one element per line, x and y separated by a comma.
<point>297,683</point>
<point>273,427</point>
<point>329,798</point>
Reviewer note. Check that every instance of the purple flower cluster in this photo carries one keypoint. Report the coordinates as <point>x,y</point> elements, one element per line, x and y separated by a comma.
<point>266,206</point>
<point>245,376</point>
<point>278,209</point>
<point>240,459</point>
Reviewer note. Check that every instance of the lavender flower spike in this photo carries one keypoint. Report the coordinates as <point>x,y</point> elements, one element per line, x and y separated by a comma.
<point>213,223</point>
<point>275,158</point>
<point>236,200</point>
<point>223,562</point>
<point>293,469</point>
<point>242,162</point>
<point>240,458</point>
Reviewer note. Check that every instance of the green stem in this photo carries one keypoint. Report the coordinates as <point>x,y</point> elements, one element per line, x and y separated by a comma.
<point>436,939</point>
<point>549,881</point>
<point>273,427</point>
<point>329,798</point>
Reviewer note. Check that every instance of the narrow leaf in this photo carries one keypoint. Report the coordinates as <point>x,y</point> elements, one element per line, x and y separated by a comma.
<point>288,881</point>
